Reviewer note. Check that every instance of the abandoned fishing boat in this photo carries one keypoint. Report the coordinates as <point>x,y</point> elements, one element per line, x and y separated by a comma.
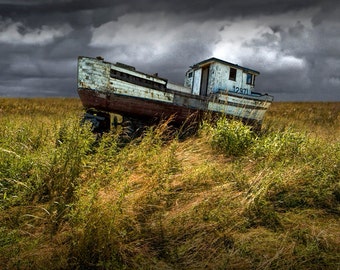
<point>212,85</point>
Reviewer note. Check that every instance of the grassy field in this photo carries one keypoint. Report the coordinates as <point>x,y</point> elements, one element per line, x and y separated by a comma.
<point>225,198</point>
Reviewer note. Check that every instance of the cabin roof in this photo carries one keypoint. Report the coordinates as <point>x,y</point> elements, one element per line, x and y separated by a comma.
<point>216,60</point>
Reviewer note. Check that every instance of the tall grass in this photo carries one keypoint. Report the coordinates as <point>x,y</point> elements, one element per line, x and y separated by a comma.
<point>226,198</point>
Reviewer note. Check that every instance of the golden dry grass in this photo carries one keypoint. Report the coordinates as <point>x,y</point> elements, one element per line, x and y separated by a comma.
<point>168,204</point>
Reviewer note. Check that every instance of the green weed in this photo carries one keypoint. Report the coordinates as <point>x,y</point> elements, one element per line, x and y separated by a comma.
<point>231,137</point>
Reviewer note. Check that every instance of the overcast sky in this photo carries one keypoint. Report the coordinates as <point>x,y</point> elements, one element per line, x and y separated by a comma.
<point>294,44</point>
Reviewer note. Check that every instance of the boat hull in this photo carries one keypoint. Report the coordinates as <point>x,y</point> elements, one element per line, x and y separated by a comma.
<point>156,110</point>
<point>133,107</point>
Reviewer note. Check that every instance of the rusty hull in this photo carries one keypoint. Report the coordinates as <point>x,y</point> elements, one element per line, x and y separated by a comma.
<point>134,107</point>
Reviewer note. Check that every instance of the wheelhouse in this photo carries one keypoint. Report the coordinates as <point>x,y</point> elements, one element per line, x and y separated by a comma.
<point>214,75</point>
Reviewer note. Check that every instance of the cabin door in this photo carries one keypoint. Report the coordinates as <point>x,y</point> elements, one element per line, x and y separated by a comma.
<point>204,81</point>
<point>197,82</point>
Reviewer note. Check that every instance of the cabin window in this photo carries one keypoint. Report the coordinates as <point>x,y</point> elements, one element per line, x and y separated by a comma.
<point>249,78</point>
<point>190,74</point>
<point>232,74</point>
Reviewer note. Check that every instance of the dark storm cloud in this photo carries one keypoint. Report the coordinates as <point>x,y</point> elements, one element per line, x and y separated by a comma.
<point>104,10</point>
<point>294,44</point>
